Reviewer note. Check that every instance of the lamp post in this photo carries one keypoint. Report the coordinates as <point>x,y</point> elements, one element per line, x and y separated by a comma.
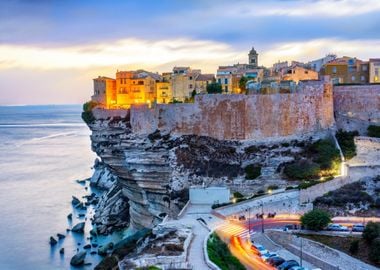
<point>262,217</point>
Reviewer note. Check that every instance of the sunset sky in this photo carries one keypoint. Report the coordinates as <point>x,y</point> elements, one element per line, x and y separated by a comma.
<point>51,50</point>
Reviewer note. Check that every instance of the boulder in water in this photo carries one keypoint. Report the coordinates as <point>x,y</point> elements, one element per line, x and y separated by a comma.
<point>60,236</point>
<point>70,216</point>
<point>78,228</point>
<point>102,251</point>
<point>62,251</point>
<point>52,241</point>
<point>88,246</point>
<point>75,201</point>
<point>78,259</point>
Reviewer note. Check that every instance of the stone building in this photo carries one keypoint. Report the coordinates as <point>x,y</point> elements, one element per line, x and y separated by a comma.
<point>104,91</point>
<point>183,82</point>
<point>202,81</point>
<point>253,58</point>
<point>374,70</point>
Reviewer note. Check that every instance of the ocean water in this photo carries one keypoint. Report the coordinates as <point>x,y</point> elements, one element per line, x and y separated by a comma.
<point>43,151</point>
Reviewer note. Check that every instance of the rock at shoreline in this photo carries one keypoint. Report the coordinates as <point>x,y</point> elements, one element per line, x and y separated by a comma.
<point>81,215</point>
<point>82,182</point>
<point>62,251</point>
<point>80,206</point>
<point>75,201</point>
<point>103,250</point>
<point>88,246</point>
<point>78,228</point>
<point>78,259</point>
<point>93,232</point>
<point>52,241</point>
<point>70,216</point>
<point>60,236</point>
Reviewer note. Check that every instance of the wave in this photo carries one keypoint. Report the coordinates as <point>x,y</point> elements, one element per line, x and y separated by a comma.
<point>33,140</point>
<point>42,125</point>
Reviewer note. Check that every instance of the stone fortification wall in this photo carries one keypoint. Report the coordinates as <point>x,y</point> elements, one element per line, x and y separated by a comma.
<point>357,106</point>
<point>239,117</point>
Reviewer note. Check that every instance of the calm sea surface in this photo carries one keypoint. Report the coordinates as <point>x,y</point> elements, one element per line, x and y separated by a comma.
<point>43,150</point>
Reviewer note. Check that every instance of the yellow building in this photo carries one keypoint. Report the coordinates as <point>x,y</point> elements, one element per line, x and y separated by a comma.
<point>347,70</point>
<point>135,87</point>
<point>164,92</point>
<point>374,70</point>
<point>104,91</point>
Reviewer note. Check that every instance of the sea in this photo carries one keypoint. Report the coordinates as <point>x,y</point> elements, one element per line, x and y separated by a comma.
<point>43,151</point>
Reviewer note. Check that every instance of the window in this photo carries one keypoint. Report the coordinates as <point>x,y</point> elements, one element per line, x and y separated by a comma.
<point>364,68</point>
<point>306,72</point>
<point>334,70</point>
<point>190,78</point>
<point>226,80</point>
<point>219,80</point>
<point>226,88</point>
<point>353,78</point>
<point>362,78</point>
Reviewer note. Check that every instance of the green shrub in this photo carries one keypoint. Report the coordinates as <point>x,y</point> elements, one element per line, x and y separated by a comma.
<point>219,254</point>
<point>374,251</point>
<point>346,142</point>
<point>354,246</point>
<point>307,184</point>
<point>302,170</point>
<point>87,115</point>
<point>371,231</point>
<point>315,219</point>
<point>252,171</point>
<point>214,88</point>
<point>237,194</point>
<point>373,131</point>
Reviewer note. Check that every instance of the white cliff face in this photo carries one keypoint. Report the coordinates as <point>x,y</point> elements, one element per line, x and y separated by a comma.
<point>155,171</point>
<point>102,177</point>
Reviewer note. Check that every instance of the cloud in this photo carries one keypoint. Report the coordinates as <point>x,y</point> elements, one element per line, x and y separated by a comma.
<point>321,8</point>
<point>313,49</point>
<point>132,52</point>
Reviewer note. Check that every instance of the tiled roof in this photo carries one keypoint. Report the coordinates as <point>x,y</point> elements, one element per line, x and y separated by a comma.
<point>205,77</point>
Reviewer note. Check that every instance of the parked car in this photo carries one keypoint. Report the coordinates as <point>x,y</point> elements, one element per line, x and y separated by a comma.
<point>276,261</point>
<point>358,228</point>
<point>298,268</point>
<point>261,250</point>
<point>290,227</point>
<point>337,227</point>
<point>287,265</point>
<point>268,255</point>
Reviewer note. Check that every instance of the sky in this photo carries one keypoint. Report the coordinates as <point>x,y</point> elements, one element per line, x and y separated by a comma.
<point>50,50</point>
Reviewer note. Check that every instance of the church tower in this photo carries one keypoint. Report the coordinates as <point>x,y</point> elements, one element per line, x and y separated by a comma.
<point>253,58</point>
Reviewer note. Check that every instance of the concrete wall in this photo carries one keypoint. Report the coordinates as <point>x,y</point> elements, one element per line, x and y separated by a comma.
<point>210,195</point>
<point>357,106</point>
<point>243,116</point>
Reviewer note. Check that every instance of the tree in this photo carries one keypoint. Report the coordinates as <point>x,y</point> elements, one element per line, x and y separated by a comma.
<point>374,251</point>
<point>371,231</point>
<point>316,219</point>
<point>354,246</point>
<point>242,82</point>
<point>193,94</point>
<point>214,88</point>
<point>373,131</point>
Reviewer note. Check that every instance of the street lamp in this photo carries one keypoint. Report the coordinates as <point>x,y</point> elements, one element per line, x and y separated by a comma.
<point>249,221</point>
<point>301,249</point>
<point>262,217</point>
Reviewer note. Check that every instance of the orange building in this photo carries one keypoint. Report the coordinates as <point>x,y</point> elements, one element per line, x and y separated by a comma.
<point>104,91</point>
<point>164,92</point>
<point>347,70</point>
<point>297,73</point>
<point>135,87</point>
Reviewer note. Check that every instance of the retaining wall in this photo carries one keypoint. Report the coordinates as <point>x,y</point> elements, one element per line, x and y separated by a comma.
<point>225,116</point>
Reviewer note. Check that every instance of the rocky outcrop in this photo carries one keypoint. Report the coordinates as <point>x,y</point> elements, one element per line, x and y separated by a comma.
<point>102,177</point>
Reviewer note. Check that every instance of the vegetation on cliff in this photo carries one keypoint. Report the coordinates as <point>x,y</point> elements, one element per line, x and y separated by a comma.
<point>373,131</point>
<point>321,159</point>
<point>219,254</point>
<point>252,171</point>
<point>347,143</point>
<point>87,115</point>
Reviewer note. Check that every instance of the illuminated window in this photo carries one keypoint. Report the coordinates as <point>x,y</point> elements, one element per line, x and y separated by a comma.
<point>334,70</point>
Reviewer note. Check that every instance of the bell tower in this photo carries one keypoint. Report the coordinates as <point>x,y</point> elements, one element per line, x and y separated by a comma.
<point>253,58</point>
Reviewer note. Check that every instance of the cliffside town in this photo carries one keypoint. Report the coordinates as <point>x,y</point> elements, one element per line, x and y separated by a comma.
<point>152,152</point>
